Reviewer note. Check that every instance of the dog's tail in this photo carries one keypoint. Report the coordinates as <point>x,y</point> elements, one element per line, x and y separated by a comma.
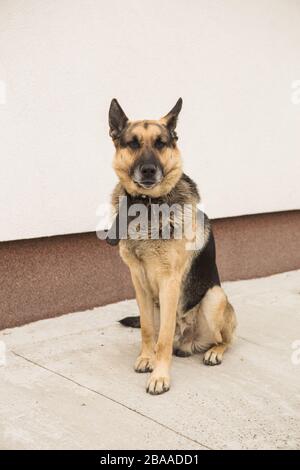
<point>133,322</point>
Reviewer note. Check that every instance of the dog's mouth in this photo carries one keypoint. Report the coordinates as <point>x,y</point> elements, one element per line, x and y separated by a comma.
<point>147,184</point>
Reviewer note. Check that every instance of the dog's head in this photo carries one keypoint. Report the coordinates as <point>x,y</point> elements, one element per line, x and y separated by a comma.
<point>147,160</point>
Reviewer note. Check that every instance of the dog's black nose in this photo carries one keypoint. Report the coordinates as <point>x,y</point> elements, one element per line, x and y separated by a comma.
<point>148,170</point>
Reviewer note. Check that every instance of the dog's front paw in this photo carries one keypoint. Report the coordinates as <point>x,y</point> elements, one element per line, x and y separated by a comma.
<point>143,364</point>
<point>158,383</point>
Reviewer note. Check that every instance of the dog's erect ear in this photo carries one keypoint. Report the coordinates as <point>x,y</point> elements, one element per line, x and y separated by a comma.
<point>170,120</point>
<point>117,119</point>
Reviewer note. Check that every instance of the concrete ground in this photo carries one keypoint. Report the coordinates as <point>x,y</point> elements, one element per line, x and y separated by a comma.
<point>68,382</point>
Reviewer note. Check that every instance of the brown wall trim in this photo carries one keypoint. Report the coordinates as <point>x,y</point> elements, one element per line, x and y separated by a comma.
<point>46,277</point>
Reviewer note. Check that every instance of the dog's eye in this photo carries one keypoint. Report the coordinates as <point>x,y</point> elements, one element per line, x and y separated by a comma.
<point>134,144</point>
<point>159,144</point>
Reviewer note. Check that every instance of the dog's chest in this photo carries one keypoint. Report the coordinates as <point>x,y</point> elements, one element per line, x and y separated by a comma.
<point>155,260</point>
<point>148,252</point>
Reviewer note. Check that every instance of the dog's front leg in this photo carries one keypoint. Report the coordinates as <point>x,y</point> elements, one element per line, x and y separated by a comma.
<point>159,381</point>
<point>145,360</point>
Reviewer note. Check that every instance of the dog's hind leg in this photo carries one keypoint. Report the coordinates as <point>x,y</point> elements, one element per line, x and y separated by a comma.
<point>221,322</point>
<point>183,343</point>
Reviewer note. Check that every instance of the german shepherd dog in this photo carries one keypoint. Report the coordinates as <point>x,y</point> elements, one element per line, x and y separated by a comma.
<point>183,308</point>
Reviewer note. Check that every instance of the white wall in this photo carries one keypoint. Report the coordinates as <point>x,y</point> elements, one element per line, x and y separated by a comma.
<point>232,61</point>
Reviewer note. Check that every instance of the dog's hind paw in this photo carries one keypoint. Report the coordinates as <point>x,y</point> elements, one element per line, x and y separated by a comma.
<point>181,353</point>
<point>213,357</point>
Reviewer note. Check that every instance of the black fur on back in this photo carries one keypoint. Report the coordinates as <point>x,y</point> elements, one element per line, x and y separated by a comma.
<point>202,275</point>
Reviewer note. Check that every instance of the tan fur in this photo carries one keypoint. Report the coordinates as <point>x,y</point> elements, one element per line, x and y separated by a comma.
<point>169,157</point>
<point>207,327</point>
<point>158,268</point>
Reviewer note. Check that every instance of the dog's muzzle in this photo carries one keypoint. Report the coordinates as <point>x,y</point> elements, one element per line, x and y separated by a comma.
<point>147,171</point>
